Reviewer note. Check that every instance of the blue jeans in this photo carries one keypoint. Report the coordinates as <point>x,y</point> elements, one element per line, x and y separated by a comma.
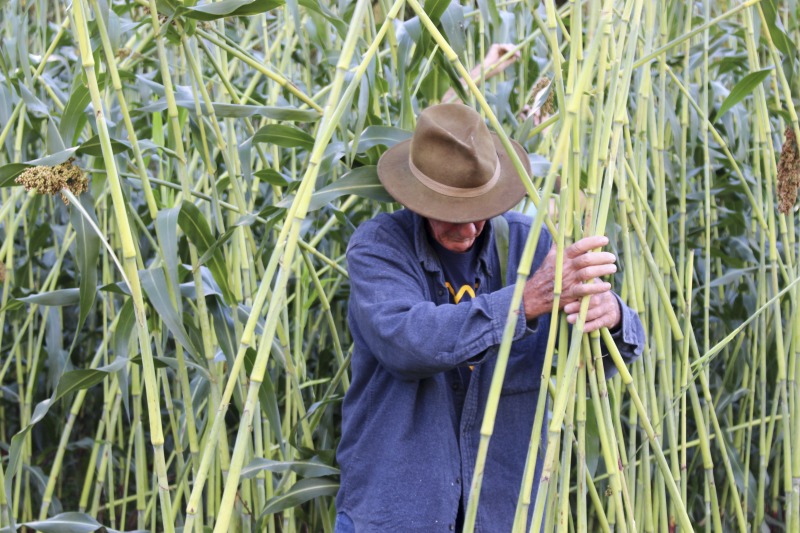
<point>344,524</point>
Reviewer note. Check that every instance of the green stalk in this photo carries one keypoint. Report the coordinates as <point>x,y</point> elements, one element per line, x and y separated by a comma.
<point>129,258</point>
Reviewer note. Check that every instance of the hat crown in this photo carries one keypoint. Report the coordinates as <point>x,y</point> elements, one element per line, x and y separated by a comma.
<point>451,145</point>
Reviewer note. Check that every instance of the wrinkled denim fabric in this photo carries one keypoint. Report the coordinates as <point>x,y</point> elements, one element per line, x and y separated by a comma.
<point>405,462</point>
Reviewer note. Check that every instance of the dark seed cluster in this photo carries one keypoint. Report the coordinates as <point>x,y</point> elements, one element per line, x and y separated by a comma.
<point>52,180</point>
<point>788,172</point>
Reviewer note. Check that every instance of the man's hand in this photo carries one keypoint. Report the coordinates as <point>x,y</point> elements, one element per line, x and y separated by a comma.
<point>491,64</point>
<point>581,265</point>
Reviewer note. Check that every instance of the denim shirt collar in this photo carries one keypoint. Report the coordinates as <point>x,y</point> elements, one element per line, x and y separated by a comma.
<point>427,255</point>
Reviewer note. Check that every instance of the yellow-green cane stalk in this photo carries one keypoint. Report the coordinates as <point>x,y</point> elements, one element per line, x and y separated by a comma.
<point>111,64</point>
<point>286,242</point>
<point>286,255</point>
<point>129,258</point>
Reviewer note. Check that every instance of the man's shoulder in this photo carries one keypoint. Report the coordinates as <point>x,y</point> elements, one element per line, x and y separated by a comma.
<point>385,228</point>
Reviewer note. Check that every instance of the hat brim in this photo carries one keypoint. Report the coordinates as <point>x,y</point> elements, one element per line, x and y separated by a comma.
<point>403,186</point>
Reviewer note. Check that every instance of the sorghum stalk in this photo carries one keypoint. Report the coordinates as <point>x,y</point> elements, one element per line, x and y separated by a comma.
<point>129,258</point>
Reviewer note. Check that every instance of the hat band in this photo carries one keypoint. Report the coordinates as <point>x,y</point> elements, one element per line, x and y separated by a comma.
<point>455,192</point>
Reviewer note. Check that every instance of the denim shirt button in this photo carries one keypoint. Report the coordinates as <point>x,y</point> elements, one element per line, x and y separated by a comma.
<point>458,480</point>
<point>452,527</point>
<point>454,385</point>
<point>441,291</point>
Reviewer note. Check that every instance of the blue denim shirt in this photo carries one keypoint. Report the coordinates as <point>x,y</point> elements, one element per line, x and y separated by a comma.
<point>405,462</point>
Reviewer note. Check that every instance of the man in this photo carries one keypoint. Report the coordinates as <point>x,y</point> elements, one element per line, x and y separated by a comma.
<point>427,312</point>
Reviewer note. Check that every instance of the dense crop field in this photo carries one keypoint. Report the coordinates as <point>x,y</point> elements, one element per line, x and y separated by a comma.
<point>178,184</point>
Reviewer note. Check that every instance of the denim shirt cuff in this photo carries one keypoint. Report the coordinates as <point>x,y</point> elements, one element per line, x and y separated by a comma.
<point>501,301</point>
<point>630,329</point>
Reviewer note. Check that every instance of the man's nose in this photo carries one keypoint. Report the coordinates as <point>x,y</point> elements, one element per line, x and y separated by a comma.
<point>467,230</point>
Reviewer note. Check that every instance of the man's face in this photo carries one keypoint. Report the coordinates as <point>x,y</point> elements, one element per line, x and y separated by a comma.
<point>456,237</point>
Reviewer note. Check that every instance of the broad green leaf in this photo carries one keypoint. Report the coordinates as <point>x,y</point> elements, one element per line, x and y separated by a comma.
<point>74,115</point>
<point>18,440</point>
<point>361,181</point>
<point>435,8</point>
<point>121,339</point>
<point>453,24</point>
<point>154,284</point>
<point>489,11</point>
<point>231,8</point>
<point>54,159</point>
<point>301,492</point>
<point>745,86</point>
<point>167,232</point>
<point>88,246</point>
<point>320,7</point>
<point>58,297</point>
<point>381,135</point>
<point>71,522</point>
<point>306,469</point>
<point>194,225</point>
<point>271,176</point>
<point>779,38</point>
<point>84,378</point>
<point>92,147</point>
<point>267,397</point>
<point>8,173</point>
<point>284,135</point>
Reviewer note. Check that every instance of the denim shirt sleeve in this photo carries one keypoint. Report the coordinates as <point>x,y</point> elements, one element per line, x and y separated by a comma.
<point>412,337</point>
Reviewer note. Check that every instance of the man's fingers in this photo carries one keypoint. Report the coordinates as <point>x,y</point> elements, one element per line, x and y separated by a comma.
<point>597,271</point>
<point>580,290</point>
<point>593,258</point>
<point>584,245</point>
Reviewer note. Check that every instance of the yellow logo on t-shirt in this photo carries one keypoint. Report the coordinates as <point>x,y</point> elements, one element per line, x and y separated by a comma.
<point>465,289</point>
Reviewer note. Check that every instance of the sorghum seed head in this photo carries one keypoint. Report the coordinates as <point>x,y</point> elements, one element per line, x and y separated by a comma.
<point>788,172</point>
<point>51,180</point>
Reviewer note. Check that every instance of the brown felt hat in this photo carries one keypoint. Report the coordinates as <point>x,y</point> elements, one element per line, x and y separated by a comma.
<point>453,168</point>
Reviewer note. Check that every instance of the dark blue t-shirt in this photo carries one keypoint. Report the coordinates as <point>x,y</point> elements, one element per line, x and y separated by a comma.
<point>460,271</point>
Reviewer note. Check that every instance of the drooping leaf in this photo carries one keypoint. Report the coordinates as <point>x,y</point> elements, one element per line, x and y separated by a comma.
<point>386,136</point>
<point>361,181</point>
<point>306,469</point>
<point>194,225</point>
<point>88,246</point>
<point>18,440</point>
<point>58,297</point>
<point>8,173</point>
<point>76,380</point>
<point>745,86</point>
<point>167,231</point>
<point>231,8</point>
<point>92,147</point>
<point>284,135</point>
<point>779,38</point>
<point>71,522</point>
<point>267,398</point>
<point>154,284</point>
<point>74,115</point>
<point>435,8</point>
<point>301,492</point>
<point>122,336</point>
